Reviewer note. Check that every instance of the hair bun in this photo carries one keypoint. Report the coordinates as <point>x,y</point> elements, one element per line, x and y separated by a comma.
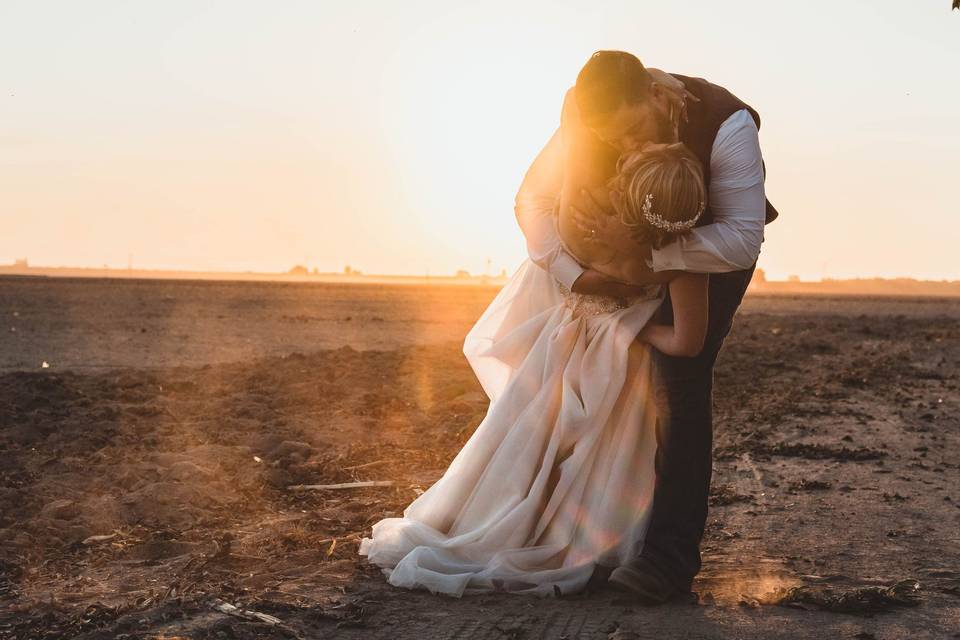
<point>667,177</point>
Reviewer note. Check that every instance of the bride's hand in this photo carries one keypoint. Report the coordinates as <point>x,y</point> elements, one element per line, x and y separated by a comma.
<point>597,227</point>
<point>663,78</point>
<point>676,91</point>
<point>601,229</point>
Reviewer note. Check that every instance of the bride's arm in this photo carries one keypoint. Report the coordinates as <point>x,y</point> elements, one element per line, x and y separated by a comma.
<point>618,254</point>
<point>688,295</point>
<point>611,248</point>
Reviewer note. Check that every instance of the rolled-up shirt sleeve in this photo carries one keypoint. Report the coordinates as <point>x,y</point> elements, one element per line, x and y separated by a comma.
<point>737,201</point>
<point>534,207</point>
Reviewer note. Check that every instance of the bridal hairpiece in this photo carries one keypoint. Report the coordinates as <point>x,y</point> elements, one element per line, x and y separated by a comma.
<point>668,225</point>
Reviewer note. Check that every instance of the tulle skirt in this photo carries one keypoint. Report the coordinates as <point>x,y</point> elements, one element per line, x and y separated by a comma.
<point>558,477</point>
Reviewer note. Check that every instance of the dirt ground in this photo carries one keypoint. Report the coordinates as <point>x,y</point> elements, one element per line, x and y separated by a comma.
<point>145,471</point>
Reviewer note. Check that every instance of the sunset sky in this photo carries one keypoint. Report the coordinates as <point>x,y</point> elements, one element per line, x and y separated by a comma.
<point>392,136</point>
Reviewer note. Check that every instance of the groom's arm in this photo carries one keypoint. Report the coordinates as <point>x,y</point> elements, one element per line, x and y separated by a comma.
<point>737,200</point>
<point>535,204</point>
<point>534,208</point>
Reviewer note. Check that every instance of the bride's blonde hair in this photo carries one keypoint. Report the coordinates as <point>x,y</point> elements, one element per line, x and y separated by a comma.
<point>662,192</point>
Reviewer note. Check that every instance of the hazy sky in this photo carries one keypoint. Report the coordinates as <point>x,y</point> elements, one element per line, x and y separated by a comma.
<point>392,136</point>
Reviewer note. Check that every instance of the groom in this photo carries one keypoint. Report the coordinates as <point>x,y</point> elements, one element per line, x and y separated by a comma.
<point>625,106</point>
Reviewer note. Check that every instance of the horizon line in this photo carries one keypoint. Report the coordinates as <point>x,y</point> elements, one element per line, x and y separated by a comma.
<point>299,271</point>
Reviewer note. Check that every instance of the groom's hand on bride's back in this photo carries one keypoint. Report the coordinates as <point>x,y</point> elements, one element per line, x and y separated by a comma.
<point>592,282</point>
<point>595,283</point>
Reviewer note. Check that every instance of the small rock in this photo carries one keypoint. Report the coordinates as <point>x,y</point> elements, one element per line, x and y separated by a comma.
<point>291,450</point>
<point>61,510</point>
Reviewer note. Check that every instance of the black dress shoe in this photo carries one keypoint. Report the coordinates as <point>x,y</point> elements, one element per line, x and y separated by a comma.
<point>598,582</point>
<point>645,581</point>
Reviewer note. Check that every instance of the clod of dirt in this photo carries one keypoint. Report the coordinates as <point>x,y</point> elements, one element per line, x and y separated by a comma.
<point>61,510</point>
<point>863,601</point>
<point>725,494</point>
<point>817,451</point>
<point>810,485</point>
<point>290,452</point>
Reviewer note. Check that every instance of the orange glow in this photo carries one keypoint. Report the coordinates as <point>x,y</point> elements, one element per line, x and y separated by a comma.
<point>393,141</point>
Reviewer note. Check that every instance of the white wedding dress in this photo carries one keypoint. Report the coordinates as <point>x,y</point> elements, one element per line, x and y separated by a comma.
<point>558,477</point>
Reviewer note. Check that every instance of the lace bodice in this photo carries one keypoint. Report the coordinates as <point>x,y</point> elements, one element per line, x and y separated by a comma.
<point>593,305</point>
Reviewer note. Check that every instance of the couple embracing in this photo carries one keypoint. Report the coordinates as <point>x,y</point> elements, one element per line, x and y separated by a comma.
<point>643,216</point>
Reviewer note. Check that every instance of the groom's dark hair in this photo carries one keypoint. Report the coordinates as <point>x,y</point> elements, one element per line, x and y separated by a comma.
<point>609,80</point>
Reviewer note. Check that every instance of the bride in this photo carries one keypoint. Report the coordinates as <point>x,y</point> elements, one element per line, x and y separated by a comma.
<point>556,483</point>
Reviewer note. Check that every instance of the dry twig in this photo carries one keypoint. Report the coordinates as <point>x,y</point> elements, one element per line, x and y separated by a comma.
<point>342,485</point>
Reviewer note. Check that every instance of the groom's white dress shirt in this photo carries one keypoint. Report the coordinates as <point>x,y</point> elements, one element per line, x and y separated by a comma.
<point>737,200</point>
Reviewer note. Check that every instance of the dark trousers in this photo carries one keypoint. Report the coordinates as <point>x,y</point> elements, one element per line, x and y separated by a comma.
<point>684,392</point>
